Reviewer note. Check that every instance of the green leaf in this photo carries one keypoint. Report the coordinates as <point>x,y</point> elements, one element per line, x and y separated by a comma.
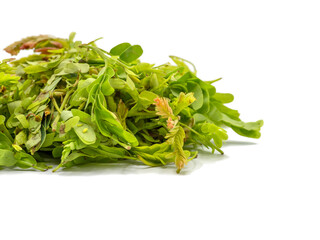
<point>106,88</point>
<point>74,156</point>
<point>207,91</point>
<point>25,160</point>
<point>49,140</point>
<point>66,115</point>
<point>131,54</point>
<point>41,66</point>
<point>250,129</point>
<point>86,133</point>
<point>21,138</point>
<point>224,97</point>
<point>183,101</point>
<point>117,50</point>
<point>117,83</point>
<point>2,119</point>
<point>8,79</point>
<point>34,69</point>
<point>146,98</point>
<point>70,68</point>
<point>196,89</point>
<point>3,128</point>
<point>5,142</point>
<point>23,120</point>
<point>149,162</point>
<point>84,117</point>
<point>33,140</point>
<point>7,158</point>
<point>108,123</point>
<point>12,106</point>
<point>130,83</point>
<point>81,94</point>
<point>72,122</point>
<point>212,131</point>
<point>57,152</point>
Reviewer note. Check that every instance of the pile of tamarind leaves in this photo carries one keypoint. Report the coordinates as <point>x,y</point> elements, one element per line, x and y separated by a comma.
<point>71,103</point>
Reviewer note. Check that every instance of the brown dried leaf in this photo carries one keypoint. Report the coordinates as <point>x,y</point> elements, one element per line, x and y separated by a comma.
<point>26,43</point>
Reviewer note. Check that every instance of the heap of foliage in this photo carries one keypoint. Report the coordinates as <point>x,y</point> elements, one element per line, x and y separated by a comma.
<point>75,103</point>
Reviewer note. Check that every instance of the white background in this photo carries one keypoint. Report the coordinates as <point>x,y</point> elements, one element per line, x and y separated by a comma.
<point>269,56</point>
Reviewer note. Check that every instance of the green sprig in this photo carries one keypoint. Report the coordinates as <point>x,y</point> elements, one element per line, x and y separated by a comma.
<point>72,103</point>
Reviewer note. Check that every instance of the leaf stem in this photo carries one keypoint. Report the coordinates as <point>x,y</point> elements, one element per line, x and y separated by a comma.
<point>184,60</point>
<point>55,104</point>
<point>65,100</point>
<point>59,110</point>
